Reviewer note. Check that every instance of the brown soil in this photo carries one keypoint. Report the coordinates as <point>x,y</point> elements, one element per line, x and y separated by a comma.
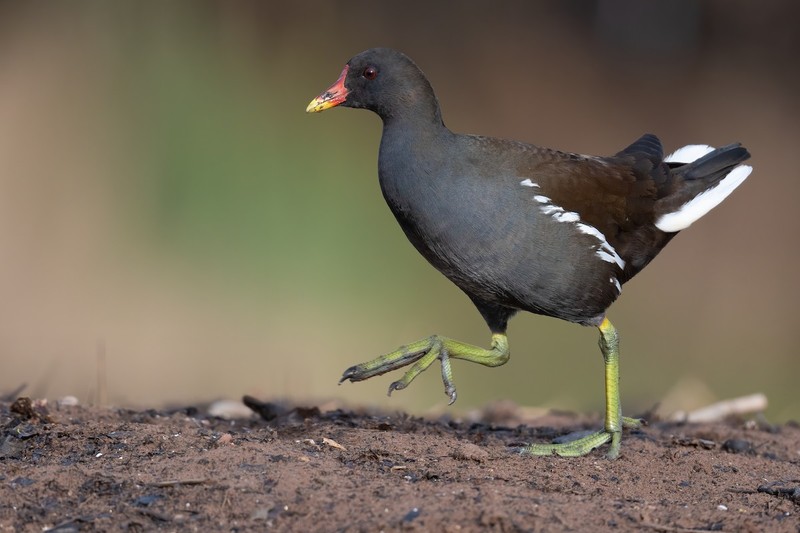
<point>86,469</point>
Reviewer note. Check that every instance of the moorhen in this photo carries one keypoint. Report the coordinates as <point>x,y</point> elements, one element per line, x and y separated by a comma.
<point>519,227</point>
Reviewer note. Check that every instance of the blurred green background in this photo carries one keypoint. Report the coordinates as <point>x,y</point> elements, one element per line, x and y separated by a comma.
<point>172,220</point>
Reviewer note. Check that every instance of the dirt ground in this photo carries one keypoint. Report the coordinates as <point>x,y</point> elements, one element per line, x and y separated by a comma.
<point>309,469</point>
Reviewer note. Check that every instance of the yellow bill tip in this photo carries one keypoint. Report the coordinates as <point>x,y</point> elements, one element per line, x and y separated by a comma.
<point>318,104</point>
<point>333,96</point>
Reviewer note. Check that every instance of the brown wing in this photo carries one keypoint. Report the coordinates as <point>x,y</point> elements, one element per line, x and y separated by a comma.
<point>616,195</point>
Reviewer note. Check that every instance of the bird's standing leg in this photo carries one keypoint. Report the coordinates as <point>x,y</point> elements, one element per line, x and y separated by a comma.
<point>614,421</point>
<point>423,353</point>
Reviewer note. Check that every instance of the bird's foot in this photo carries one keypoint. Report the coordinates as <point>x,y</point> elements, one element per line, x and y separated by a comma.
<point>585,444</point>
<point>422,354</point>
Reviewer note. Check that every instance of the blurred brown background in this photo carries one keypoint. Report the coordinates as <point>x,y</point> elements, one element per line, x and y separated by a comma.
<point>167,207</point>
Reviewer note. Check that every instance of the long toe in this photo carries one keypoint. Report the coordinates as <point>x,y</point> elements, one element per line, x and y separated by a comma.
<point>578,447</point>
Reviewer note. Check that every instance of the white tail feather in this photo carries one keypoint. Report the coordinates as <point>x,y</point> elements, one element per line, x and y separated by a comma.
<point>689,153</point>
<point>704,202</point>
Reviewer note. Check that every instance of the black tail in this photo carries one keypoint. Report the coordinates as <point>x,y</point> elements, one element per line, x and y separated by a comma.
<point>700,185</point>
<point>713,166</point>
<point>647,144</point>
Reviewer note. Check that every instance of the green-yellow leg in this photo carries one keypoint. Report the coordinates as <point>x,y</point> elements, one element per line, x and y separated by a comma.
<point>614,421</point>
<point>423,353</point>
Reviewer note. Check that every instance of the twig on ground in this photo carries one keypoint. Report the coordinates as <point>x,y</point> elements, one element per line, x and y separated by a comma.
<point>175,482</point>
<point>715,412</point>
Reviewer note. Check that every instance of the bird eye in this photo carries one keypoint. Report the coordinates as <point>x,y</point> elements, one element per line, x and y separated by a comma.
<point>370,73</point>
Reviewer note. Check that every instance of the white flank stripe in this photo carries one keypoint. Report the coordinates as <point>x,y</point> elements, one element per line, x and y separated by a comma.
<point>606,252</point>
<point>552,209</point>
<point>568,216</point>
<point>689,153</point>
<point>704,202</point>
<point>608,258</point>
<point>615,282</point>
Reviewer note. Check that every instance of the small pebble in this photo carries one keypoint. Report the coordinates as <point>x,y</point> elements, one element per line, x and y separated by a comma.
<point>737,446</point>
<point>68,401</point>
<point>229,409</point>
<point>411,515</point>
<point>469,451</point>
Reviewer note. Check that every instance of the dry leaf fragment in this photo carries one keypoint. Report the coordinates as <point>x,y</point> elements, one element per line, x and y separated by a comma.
<point>333,444</point>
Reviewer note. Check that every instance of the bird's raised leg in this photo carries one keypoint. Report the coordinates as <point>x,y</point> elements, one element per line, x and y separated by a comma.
<point>614,421</point>
<point>423,353</point>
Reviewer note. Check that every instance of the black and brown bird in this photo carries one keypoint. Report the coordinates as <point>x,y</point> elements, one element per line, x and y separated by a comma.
<point>523,228</point>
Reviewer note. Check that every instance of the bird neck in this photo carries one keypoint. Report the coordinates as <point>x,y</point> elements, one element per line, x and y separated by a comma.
<point>413,134</point>
<point>413,131</point>
<point>416,109</point>
<point>412,138</point>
